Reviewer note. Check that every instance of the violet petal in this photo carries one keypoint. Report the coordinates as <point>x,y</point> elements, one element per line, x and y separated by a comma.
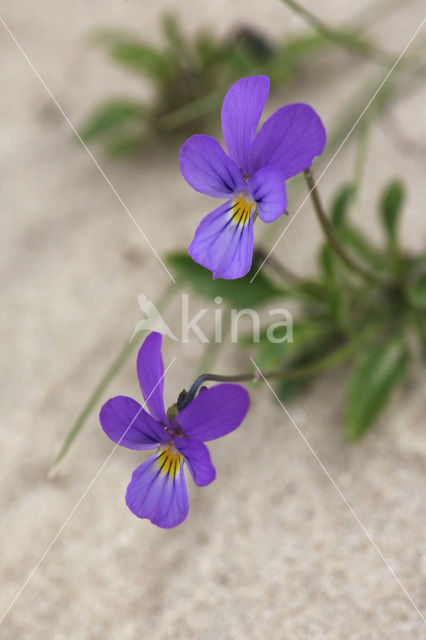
<point>127,424</point>
<point>267,188</point>
<point>198,459</point>
<point>214,413</point>
<point>223,246</point>
<point>160,496</point>
<point>289,140</point>
<point>241,111</point>
<point>206,167</point>
<point>150,370</point>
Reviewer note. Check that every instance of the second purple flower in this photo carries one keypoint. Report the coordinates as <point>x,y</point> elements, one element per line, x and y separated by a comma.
<point>157,490</point>
<point>252,175</point>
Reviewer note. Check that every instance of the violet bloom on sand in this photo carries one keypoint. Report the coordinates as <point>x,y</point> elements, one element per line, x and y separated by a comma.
<point>251,175</point>
<point>157,490</point>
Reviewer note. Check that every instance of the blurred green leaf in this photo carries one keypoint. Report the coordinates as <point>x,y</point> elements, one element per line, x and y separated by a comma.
<point>420,324</point>
<point>239,293</point>
<point>173,32</point>
<point>314,350</point>
<point>310,291</point>
<point>390,208</point>
<point>112,115</point>
<point>271,355</point>
<point>335,288</point>
<point>416,293</point>
<point>134,54</point>
<point>360,245</point>
<point>326,260</point>
<point>340,205</point>
<point>371,382</point>
<point>127,145</point>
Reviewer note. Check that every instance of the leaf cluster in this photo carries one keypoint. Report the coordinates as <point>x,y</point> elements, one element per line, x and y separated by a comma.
<point>341,317</point>
<point>188,76</point>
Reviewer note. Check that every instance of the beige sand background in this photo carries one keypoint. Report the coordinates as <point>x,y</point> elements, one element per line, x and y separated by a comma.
<point>269,550</point>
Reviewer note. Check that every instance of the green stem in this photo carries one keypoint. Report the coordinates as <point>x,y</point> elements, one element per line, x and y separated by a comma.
<point>336,357</point>
<point>332,238</point>
<point>350,42</point>
<point>124,353</point>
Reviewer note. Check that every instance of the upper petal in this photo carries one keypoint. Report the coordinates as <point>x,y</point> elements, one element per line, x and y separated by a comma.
<point>150,370</point>
<point>207,168</point>
<point>125,422</point>
<point>289,140</point>
<point>267,188</point>
<point>241,111</point>
<point>157,491</point>
<point>214,412</point>
<point>223,241</point>
<point>198,459</point>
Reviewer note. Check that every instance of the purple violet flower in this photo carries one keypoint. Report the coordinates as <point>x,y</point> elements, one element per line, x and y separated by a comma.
<point>157,490</point>
<point>252,175</point>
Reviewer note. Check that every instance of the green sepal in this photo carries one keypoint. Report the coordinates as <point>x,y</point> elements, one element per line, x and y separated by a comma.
<point>172,412</point>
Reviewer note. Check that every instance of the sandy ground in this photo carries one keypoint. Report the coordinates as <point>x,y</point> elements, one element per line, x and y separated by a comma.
<point>270,549</point>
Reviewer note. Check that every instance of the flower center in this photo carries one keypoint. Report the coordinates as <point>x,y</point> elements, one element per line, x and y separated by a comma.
<point>242,207</point>
<point>169,460</point>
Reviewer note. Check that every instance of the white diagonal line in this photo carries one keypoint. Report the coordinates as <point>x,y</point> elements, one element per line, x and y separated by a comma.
<point>345,139</point>
<point>78,503</point>
<point>95,162</point>
<point>368,535</point>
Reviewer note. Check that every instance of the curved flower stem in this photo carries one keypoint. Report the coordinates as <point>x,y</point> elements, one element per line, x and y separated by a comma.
<point>124,353</point>
<point>334,242</point>
<point>336,357</point>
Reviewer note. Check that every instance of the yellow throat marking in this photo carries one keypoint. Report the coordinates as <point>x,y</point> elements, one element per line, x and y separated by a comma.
<point>169,461</point>
<point>242,207</point>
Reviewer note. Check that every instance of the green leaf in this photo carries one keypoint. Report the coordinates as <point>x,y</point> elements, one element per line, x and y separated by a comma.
<point>358,243</point>
<point>312,351</point>
<point>110,116</point>
<point>271,355</point>
<point>416,293</point>
<point>135,55</point>
<point>310,292</point>
<point>326,260</point>
<point>239,293</point>
<point>340,205</point>
<point>127,145</point>
<point>390,208</point>
<point>371,383</point>
<point>420,324</point>
<point>172,31</point>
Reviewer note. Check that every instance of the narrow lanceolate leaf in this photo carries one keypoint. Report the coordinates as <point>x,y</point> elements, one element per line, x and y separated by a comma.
<point>390,208</point>
<point>420,324</point>
<point>360,245</point>
<point>134,54</point>
<point>112,116</point>
<point>290,343</point>
<point>416,293</point>
<point>371,383</point>
<point>239,293</point>
<point>340,205</point>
